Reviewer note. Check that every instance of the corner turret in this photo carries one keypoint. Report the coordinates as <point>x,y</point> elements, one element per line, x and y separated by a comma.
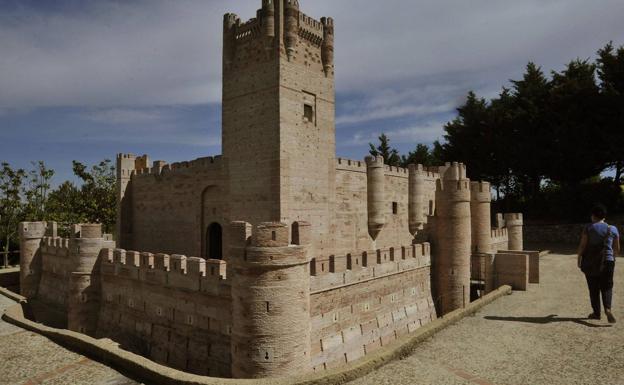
<point>375,194</point>
<point>514,223</point>
<point>327,50</point>
<point>291,26</point>
<point>271,301</point>
<point>480,200</point>
<point>451,264</point>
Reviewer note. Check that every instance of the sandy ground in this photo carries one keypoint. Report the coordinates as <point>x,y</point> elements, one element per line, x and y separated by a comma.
<point>538,337</point>
<point>531,338</point>
<point>27,358</point>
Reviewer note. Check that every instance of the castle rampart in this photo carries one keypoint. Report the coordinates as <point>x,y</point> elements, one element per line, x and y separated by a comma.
<point>276,257</point>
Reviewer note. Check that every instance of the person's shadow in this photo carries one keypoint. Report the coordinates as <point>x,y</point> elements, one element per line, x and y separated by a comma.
<point>547,320</point>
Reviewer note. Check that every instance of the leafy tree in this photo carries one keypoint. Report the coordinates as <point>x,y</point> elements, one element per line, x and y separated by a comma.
<point>11,183</point>
<point>36,192</point>
<point>421,155</point>
<point>390,155</point>
<point>579,144</point>
<point>64,205</point>
<point>97,198</point>
<point>610,69</point>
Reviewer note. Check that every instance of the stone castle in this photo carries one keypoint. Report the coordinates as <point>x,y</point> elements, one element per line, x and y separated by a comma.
<point>302,261</point>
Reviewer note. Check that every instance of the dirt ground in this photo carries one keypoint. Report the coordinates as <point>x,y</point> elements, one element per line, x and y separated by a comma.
<point>538,337</point>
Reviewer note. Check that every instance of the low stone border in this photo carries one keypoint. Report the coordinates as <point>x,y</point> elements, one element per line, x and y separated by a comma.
<point>109,353</point>
<point>11,295</point>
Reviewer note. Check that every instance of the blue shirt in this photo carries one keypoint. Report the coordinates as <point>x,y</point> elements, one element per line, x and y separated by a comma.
<point>596,233</point>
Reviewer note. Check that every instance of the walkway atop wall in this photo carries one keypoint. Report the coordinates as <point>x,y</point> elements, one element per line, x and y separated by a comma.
<point>530,338</point>
<point>537,337</point>
<point>27,358</point>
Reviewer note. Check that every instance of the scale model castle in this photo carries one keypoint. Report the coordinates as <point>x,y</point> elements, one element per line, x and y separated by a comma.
<point>302,261</point>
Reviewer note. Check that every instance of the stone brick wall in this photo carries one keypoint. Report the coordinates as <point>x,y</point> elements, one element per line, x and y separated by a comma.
<point>179,318</point>
<point>55,270</point>
<point>173,207</point>
<point>362,301</point>
<point>351,209</point>
<point>568,234</point>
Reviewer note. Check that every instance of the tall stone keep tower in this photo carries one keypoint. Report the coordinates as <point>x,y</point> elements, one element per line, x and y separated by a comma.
<point>278,116</point>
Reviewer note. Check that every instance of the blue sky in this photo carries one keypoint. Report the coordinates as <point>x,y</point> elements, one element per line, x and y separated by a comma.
<point>88,79</point>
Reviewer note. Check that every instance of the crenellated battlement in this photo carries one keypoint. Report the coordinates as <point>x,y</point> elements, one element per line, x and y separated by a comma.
<point>311,29</point>
<point>55,245</point>
<point>429,173</point>
<point>341,270</point>
<point>480,192</point>
<point>350,165</point>
<point>453,171</point>
<point>173,271</point>
<point>248,31</point>
<point>498,234</point>
<point>161,168</point>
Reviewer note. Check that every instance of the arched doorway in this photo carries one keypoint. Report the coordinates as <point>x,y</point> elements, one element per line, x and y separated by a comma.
<point>214,241</point>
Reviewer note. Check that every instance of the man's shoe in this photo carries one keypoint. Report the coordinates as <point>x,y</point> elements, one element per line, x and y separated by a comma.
<point>610,317</point>
<point>593,316</point>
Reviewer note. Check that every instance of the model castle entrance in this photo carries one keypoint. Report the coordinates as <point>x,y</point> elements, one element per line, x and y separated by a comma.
<point>276,257</point>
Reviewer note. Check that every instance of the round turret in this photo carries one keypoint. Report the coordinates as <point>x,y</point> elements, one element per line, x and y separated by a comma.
<point>416,198</point>
<point>327,49</point>
<point>271,302</point>
<point>375,171</point>
<point>268,18</point>
<point>480,200</point>
<point>514,223</point>
<point>453,240</point>
<point>30,234</point>
<point>291,26</point>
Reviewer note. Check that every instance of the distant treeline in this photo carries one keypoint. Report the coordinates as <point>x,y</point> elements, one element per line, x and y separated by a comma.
<point>26,195</point>
<point>544,142</point>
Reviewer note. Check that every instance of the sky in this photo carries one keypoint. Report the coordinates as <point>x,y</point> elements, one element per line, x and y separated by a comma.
<point>86,79</point>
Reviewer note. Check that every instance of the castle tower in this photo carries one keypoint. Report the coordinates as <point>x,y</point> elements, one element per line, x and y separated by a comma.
<point>278,117</point>
<point>480,200</point>
<point>84,285</point>
<point>375,194</point>
<point>127,164</point>
<point>271,301</point>
<point>451,264</point>
<point>416,198</point>
<point>30,234</point>
<point>514,223</point>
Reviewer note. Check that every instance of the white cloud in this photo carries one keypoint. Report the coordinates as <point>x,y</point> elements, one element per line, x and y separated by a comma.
<point>126,116</point>
<point>141,53</point>
<point>427,132</point>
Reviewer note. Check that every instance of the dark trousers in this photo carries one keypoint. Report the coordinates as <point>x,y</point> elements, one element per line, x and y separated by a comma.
<point>601,284</point>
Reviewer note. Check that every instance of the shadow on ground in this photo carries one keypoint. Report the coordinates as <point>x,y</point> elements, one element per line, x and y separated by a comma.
<point>553,318</point>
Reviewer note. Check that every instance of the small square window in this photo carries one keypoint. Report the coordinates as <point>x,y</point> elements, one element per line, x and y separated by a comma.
<point>395,208</point>
<point>308,113</point>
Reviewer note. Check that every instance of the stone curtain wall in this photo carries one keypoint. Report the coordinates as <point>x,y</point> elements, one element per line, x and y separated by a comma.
<point>172,309</point>
<point>55,270</point>
<point>173,206</point>
<point>568,234</point>
<point>351,213</point>
<point>362,301</point>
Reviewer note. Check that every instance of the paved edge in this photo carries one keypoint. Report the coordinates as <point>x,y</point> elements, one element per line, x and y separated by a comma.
<point>139,367</point>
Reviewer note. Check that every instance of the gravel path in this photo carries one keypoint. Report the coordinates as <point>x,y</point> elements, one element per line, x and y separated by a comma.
<point>27,358</point>
<point>538,337</point>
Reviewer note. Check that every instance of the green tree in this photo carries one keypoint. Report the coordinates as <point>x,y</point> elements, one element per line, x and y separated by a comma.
<point>11,207</point>
<point>421,155</point>
<point>390,155</point>
<point>36,192</point>
<point>579,141</point>
<point>610,69</point>
<point>64,205</point>
<point>97,202</point>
